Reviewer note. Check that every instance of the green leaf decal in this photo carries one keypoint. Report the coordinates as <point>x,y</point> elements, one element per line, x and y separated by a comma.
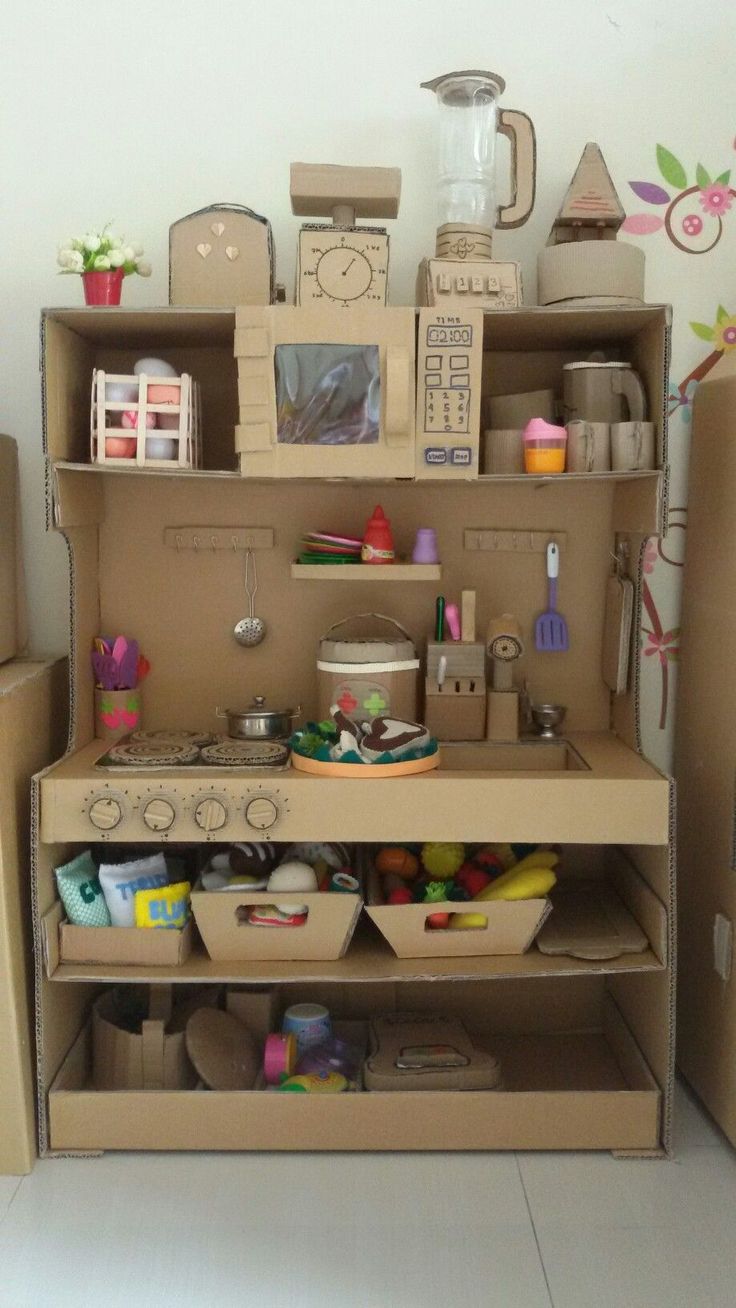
<point>722,314</point>
<point>702,330</point>
<point>702,176</point>
<point>724,178</point>
<point>671,168</point>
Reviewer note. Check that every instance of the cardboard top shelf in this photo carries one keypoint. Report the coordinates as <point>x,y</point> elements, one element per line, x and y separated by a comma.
<point>138,329</point>
<point>568,329</point>
<point>369,958</point>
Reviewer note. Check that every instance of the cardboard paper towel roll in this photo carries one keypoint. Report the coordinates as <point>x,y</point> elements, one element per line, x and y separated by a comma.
<point>577,269</point>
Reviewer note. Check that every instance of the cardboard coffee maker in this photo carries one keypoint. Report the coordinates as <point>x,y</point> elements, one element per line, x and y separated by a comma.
<point>463,270</point>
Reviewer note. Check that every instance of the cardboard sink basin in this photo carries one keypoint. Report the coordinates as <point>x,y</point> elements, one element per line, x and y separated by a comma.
<point>520,756</point>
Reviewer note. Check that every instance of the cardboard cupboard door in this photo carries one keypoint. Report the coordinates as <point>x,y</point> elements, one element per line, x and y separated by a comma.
<point>325,393</point>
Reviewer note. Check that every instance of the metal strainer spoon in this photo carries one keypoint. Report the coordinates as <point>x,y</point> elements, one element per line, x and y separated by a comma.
<point>250,630</point>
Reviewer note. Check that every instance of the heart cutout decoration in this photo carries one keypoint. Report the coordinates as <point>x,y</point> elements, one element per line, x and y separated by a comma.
<point>232,252</point>
<point>203,249</point>
<point>217,228</point>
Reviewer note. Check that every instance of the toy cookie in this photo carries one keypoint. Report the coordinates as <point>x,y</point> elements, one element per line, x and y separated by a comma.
<point>420,1051</point>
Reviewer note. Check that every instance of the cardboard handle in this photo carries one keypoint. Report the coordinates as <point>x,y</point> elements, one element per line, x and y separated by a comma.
<point>355,617</point>
<point>519,130</point>
<point>398,389</point>
<point>629,384</point>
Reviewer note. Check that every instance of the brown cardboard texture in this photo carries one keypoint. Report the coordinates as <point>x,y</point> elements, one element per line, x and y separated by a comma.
<point>221,256</point>
<point>605,272</point>
<point>66,943</point>
<point>706,755</point>
<point>221,917</point>
<point>155,1058</point>
<point>594,787</point>
<point>591,209</point>
<point>12,594</point>
<point>582,1084</point>
<point>33,725</point>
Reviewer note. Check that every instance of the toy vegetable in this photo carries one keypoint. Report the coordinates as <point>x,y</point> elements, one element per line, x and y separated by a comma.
<point>442,859</point>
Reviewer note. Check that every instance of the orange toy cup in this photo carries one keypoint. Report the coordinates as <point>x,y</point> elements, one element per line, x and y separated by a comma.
<point>545,447</point>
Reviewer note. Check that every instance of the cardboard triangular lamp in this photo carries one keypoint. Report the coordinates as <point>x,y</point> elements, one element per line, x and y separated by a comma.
<point>591,209</point>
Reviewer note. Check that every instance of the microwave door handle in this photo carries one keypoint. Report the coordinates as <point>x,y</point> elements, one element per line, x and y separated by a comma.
<point>397,391</point>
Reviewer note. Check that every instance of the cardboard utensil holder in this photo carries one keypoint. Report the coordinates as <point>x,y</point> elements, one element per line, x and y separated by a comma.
<point>117,713</point>
<point>153,1059</point>
<point>139,946</point>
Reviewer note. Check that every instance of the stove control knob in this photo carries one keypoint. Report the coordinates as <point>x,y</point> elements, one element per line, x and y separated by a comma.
<point>159,814</point>
<point>105,812</point>
<point>261,813</point>
<point>210,814</point>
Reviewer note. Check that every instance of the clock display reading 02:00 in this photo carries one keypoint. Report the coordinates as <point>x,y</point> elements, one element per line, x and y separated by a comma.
<point>353,268</point>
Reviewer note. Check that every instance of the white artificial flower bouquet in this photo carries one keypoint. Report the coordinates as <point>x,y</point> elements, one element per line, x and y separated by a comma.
<point>102,252</point>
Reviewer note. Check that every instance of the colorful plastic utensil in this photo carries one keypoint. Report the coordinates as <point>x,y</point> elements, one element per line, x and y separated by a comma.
<point>129,666</point>
<point>105,669</point>
<point>550,633</point>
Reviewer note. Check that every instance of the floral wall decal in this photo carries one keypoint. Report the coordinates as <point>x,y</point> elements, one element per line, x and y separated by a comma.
<point>693,215</point>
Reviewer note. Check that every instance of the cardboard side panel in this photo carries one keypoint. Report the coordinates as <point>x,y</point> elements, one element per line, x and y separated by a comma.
<point>67,360</point>
<point>85,625</point>
<point>33,697</point>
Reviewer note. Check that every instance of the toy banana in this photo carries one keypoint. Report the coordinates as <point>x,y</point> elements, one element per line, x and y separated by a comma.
<point>530,883</point>
<point>540,859</point>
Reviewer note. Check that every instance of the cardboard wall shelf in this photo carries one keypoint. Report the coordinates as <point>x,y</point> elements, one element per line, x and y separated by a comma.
<point>573,1090</point>
<point>394,572</point>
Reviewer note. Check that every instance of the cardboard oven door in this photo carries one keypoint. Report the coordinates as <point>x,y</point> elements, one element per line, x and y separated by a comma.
<point>325,392</point>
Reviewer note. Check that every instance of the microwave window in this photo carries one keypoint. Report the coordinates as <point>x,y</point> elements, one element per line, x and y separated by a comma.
<point>327,394</point>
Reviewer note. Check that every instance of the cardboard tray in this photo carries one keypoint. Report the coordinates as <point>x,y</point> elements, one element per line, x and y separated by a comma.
<point>511,927</point>
<point>325,935</point>
<point>569,1090</point>
<point>66,943</point>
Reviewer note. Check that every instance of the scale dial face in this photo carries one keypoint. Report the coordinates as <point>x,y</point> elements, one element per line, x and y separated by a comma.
<point>342,267</point>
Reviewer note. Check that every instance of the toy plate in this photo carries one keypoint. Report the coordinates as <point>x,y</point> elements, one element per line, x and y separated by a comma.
<point>367,771</point>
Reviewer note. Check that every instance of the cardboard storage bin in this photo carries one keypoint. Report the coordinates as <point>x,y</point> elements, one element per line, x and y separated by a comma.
<point>228,937</point>
<point>66,943</point>
<point>582,1085</point>
<point>511,927</point>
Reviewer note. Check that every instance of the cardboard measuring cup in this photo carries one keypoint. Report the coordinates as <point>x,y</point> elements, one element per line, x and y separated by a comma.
<point>602,392</point>
<point>588,446</point>
<point>632,446</point>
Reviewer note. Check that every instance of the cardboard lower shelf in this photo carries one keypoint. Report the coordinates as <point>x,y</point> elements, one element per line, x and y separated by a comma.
<point>366,572</point>
<point>589,1090</point>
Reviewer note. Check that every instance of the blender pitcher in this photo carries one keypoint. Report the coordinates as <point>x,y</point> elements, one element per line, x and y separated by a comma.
<point>470,120</point>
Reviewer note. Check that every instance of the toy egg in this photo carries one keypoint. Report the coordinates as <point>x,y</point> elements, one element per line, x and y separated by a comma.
<point>159,394</point>
<point>398,862</point>
<point>161,447</point>
<point>154,368</point>
<point>130,419</point>
<point>442,859</point>
<point>121,392</point>
<point>120,447</point>
<point>168,421</point>
<point>293,875</point>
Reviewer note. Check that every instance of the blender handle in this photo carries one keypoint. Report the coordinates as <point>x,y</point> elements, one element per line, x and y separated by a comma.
<point>519,129</point>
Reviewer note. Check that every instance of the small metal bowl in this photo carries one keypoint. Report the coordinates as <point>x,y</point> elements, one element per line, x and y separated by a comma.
<point>546,717</point>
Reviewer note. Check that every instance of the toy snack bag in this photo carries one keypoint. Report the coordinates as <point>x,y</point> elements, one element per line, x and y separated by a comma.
<point>165,906</point>
<point>81,893</point>
<point>120,881</point>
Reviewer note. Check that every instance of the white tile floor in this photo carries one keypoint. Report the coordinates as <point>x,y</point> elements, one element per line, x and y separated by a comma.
<point>376,1231</point>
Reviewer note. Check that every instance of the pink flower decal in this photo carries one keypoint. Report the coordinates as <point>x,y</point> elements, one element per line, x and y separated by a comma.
<point>663,644</point>
<point>692,224</point>
<point>651,554</point>
<point>715,199</point>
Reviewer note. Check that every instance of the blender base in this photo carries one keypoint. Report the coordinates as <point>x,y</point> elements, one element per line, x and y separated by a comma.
<point>487,283</point>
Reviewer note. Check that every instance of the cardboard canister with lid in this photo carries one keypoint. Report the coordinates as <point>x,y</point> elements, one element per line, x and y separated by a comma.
<point>373,674</point>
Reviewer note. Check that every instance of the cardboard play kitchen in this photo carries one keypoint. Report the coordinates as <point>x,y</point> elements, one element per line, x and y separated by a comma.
<point>294,396</point>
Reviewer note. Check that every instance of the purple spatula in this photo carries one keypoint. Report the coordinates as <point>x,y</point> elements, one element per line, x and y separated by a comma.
<point>550,632</point>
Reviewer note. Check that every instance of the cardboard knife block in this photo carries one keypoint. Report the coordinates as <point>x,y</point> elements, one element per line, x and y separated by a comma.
<point>457,709</point>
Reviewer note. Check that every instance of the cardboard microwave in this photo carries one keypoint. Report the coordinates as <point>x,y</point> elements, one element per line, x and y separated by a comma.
<point>324,393</point>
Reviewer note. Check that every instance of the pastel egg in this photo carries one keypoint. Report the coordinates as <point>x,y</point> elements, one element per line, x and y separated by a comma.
<point>121,392</point>
<point>154,368</point>
<point>120,447</point>
<point>161,447</point>
<point>130,419</point>
<point>168,421</point>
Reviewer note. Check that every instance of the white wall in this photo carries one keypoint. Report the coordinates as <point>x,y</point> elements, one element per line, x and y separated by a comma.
<point>143,111</point>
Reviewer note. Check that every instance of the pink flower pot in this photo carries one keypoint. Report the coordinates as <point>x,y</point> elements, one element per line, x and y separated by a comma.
<point>103,287</point>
